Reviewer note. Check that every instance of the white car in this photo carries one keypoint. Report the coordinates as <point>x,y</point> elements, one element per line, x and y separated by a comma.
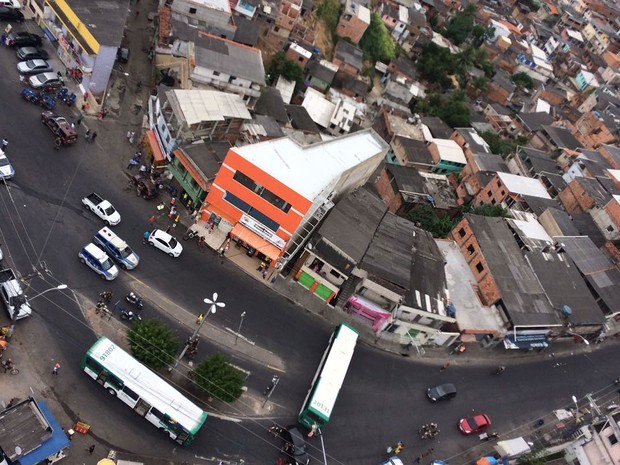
<point>165,242</point>
<point>33,67</point>
<point>44,79</point>
<point>6,169</point>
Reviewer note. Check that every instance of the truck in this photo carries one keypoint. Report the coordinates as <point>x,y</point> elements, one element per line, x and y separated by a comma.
<point>102,208</point>
<point>13,296</point>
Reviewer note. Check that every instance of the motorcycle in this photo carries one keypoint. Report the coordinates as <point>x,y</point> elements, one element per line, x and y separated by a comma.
<point>127,314</point>
<point>458,348</point>
<point>190,234</point>
<point>135,299</point>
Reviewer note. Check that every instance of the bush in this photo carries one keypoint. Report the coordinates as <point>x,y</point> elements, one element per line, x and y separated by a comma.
<point>153,343</point>
<point>329,12</point>
<point>218,378</point>
<point>424,217</point>
<point>288,69</point>
<point>377,43</point>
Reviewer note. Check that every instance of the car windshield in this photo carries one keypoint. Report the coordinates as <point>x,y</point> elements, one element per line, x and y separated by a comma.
<point>4,161</point>
<point>106,264</point>
<point>110,211</point>
<point>30,64</point>
<point>173,243</point>
<point>126,252</point>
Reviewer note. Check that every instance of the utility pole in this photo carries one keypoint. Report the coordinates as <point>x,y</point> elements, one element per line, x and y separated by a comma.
<point>239,329</point>
<point>272,387</point>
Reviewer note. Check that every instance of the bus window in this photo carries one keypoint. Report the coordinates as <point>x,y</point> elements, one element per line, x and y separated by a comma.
<point>130,393</point>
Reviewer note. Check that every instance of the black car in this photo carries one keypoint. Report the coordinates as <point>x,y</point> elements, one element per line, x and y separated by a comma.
<point>441,392</point>
<point>31,53</point>
<point>11,15</point>
<point>24,39</point>
<point>295,446</point>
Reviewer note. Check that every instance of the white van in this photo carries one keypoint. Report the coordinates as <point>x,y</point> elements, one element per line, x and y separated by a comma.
<point>98,261</point>
<point>116,248</point>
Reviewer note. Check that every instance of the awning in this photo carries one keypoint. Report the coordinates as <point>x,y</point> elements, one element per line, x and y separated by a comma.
<point>194,172</point>
<point>158,156</point>
<point>255,241</point>
<point>56,443</point>
<point>526,341</point>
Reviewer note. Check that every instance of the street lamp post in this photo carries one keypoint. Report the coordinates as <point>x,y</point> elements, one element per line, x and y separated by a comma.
<point>60,287</point>
<point>576,409</point>
<point>239,329</point>
<point>213,306</point>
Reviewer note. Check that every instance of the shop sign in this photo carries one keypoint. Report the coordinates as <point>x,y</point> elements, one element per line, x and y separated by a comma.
<point>262,231</point>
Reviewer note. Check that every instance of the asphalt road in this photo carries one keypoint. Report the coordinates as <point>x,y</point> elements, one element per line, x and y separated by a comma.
<point>383,400</point>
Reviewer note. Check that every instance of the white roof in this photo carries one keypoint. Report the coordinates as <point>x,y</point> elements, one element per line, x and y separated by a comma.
<point>523,185</point>
<point>533,230</point>
<point>403,14</point>
<point>308,170</point>
<point>542,106</point>
<point>319,108</point>
<point>286,88</point>
<point>538,52</point>
<point>574,34</point>
<point>615,174</point>
<point>222,5</point>
<point>196,106</point>
<point>302,51</point>
<point>450,150</point>
<point>363,14</point>
<point>153,389</point>
<point>334,371</point>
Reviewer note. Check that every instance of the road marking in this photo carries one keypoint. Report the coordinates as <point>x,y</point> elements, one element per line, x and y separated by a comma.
<point>225,417</point>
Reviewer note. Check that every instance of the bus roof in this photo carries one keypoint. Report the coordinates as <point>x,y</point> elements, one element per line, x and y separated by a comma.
<point>152,388</point>
<point>334,371</point>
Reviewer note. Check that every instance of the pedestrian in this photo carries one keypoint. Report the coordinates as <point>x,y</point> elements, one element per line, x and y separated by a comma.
<point>87,134</point>
<point>265,273</point>
<point>173,212</point>
<point>152,219</point>
<point>93,137</point>
<point>445,366</point>
<point>128,134</point>
<point>91,449</point>
<point>173,201</point>
<point>3,38</point>
<point>132,162</point>
<point>55,369</point>
<point>57,143</point>
<point>5,143</point>
<point>419,459</point>
<point>131,136</point>
<point>200,318</point>
<point>80,118</point>
<point>145,237</point>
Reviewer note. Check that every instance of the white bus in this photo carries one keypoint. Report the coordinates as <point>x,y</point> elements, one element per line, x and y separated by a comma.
<point>144,391</point>
<point>319,403</point>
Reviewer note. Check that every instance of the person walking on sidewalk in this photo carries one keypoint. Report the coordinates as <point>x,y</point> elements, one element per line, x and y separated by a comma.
<point>55,369</point>
<point>91,449</point>
<point>445,366</point>
<point>80,118</point>
<point>93,137</point>
<point>87,135</point>
<point>145,237</point>
<point>5,143</point>
<point>200,318</point>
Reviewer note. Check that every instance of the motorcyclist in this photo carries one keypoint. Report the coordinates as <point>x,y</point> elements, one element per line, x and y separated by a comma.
<point>7,364</point>
<point>500,370</point>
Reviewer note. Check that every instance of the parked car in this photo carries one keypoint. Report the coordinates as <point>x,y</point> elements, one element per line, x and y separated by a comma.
<point>24,39</point>
<point>165,242</point>
<point>474,423</point>
<point>295,446</point>
<point>60,127</point>
<point>6,169</point>
<point>441,392</point>
<point>97,260</point>
<point>33,67</point>
<point>144,187</point>
<point>43,80</point>
<point>11,15</point>
<point>102,208</point>
<point>14,4</point>
<point>31,53</point>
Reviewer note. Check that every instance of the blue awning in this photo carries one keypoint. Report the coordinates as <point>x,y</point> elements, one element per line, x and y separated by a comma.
<point>57,442</point>
<point>526,341</point>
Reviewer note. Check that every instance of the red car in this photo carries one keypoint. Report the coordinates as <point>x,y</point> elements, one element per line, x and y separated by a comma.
<point>474,423</point>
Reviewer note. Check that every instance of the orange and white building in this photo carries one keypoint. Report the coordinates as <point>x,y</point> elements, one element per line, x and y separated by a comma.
<point>270,196</point>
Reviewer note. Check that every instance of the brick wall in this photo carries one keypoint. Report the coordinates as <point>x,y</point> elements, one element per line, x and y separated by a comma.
<point>493,193</point>
<point>613,251</point>
<point>351,27</point>
<point>575,199</point>
<point>387,192</point>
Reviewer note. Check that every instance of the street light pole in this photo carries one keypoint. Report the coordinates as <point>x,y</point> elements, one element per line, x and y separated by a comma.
<point>322,445</point>
<point>577,409</point>
<point>213,306</point>
<point>274,383</point>
<point>60,287</point>
<point>239,329</point>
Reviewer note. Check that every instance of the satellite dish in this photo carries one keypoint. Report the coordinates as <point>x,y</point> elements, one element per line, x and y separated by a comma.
<point>18,450</point>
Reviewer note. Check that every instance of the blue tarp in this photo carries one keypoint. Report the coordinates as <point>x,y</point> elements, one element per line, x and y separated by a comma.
<point>56,443</point>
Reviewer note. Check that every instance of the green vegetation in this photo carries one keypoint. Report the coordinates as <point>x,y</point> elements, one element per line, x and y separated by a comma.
<point>288,69</point>
<point>329,12</point>
<point>377,43</point>
<point>424,217</point>
<point>461,25</point>
<point>436,64</point>
<point>481,84</point>
<point>501,146</point>
<point>523,80</point>
<point>218,378</point>
<point>488,210</point>
<point>453,110</point>
<point>153,343</point>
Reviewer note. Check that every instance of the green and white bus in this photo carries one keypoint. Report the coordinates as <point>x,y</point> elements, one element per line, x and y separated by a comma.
<point>144,391</point>
<point>317,408</point>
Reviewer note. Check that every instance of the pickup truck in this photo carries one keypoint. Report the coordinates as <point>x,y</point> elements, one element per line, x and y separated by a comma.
<point>102,208</point>
<point>12,295</point>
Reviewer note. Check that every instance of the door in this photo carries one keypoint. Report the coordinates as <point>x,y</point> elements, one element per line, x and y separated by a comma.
<point>142,408</point>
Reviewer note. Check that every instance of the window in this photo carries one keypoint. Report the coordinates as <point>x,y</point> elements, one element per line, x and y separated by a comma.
<point>301,59</point>
<point>216,73</point>
<point>192,11</point>
<point>489,194</point>
<point>334,273</point>
<point>499,183</point>
<point>462,232</point>
<point>245,181</point>
<point>479,267</point>
<point>130,393</point>
<point>493,202</point>
<point>612,439</point>
<point>503,192</point>
<point>470,249</point>
<point>232,78</point>
<point>610,228</point>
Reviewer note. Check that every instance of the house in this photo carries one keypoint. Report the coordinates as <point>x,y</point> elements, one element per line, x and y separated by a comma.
<point>298,54</point>
<point>320,74</point>
<point>247,30</point>
<point>499,117</point>
<point>500,89</point>
<point>514,191</point>
<point>351,86</point>
<point>212,16</point>
<point>337,117</point>
<point>389,125</point>
<point>228,66</point>
<point>261,128</point>
<point>354,21</point>
<point>479,172</point>
<point>607,218</point>
<point>470,141</point>
<point>437,127</point>
<point>270,204</point>
<point>582,194</point>
<point>403,188</point>
<point>406,151</point>
<point>611,153</point>
<point>504,279</point>
<point>404,68</point>
<point>554,139</point>
<point>447,155</point>
<point>532,122</point>
<point>270,103</point>
<point>301,120</point>
<point>348,58</point>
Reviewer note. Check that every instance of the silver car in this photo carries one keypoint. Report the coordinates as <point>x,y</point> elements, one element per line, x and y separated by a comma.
<point>6,169</point>
<point>44,79</point>
<point>33,67</point>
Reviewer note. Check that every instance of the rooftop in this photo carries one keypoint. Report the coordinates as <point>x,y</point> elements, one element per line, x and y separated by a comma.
<point>490,162</point>
<point>270,104</point>
<point>535,121</point>
<point>519,289</point>
<point>228,57</point>
<point>562,138</point>
<point>472,138</point>
<point>523,186</point>
<point>449,150</point>
<point>415,150</point>
<point>207,157</point>
<point>300,119</point>
<point>349,54</point>
<point>290,163</point>
<point>322,70</point>
<point>319,108</point>
<point>196,106</point>
<point>563,222</point>
<point>541,161</point>
<point>437,127</point>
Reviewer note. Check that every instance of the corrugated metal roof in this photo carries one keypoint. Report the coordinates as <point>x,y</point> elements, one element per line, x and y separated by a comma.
<point>195,106</point>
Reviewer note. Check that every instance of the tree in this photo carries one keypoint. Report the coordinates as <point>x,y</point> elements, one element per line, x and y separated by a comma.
<point>218,378</point>
<point>424,216</point>
<point>498,144</point>
<point>481,84</point>
<point>329,12</point>
<point>455,113</point>
<point>376,42</point>
<point>435,63</point>
<point>488,210</point>
<point>461,25</point>
<point>153,343</point>
<point>523,80</point>
<point>288,69</point>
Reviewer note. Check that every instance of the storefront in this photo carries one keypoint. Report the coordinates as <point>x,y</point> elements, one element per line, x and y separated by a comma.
<point>258,241</point>
<point>368,311</point>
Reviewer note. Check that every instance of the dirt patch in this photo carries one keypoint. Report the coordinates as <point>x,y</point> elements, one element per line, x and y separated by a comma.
<point>323,38</point>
